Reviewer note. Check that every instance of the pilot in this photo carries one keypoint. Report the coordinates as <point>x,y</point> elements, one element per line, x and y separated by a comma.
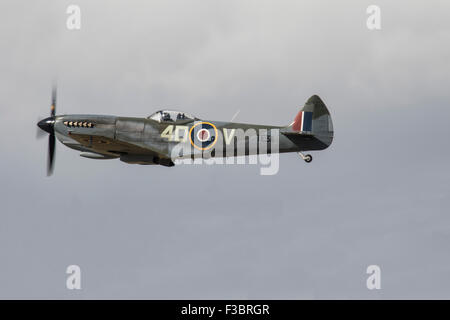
<point>181,116</point>
<point>166,116</point>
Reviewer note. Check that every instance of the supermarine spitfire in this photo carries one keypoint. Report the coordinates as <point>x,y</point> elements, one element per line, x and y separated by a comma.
<point>157,138</point>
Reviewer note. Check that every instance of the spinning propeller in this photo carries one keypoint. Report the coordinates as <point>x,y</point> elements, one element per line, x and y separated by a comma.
<point>47,125</point>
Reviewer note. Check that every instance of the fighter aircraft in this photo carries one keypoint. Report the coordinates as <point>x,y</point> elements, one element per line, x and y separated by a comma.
<point>155,140</point>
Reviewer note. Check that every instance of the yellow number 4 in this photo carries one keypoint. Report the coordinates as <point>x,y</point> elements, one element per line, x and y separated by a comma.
<point>168,133</point>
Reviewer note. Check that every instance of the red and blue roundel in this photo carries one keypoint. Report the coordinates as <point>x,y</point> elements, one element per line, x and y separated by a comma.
<point>203,135</point>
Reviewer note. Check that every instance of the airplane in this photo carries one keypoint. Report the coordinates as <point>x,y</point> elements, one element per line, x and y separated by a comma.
<point>152,140</point>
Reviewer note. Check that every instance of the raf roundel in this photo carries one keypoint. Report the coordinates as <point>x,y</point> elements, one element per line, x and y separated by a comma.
<point>203,135</point>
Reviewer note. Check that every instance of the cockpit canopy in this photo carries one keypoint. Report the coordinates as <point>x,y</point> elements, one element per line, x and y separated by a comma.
<point>171,116</point>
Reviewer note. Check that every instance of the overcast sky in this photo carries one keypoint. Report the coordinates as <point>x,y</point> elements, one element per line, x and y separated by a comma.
<point>379,195</point>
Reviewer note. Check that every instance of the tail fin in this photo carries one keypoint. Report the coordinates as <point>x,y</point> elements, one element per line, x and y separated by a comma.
<point>313,121</point>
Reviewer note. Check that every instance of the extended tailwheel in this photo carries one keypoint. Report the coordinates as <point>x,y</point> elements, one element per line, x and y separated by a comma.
<point>307,157</point>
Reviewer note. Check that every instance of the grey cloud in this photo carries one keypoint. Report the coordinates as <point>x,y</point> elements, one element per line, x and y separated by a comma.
<point>379,195</point>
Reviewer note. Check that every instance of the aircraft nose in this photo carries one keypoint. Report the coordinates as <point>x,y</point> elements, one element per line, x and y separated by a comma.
<point>47,124</point>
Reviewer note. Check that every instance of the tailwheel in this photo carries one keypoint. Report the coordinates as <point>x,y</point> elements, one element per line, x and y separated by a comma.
<point>307,157</point>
